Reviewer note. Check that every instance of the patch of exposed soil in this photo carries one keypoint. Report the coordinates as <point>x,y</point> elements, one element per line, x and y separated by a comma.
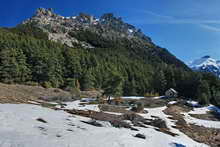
<point>200,134</point>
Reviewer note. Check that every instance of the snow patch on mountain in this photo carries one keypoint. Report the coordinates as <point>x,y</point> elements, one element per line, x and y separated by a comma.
<point>206,64</point>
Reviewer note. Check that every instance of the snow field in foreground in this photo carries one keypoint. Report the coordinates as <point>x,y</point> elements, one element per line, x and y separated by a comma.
<point>19,128</point>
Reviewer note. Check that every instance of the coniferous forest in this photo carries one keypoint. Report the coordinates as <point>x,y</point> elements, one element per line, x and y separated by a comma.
<point>119,67</point>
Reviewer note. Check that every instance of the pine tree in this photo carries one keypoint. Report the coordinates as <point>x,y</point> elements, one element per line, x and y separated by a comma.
<point>203,93</point>
<point>113,85</point>
<point>203,99</point>
<point>160,82</point>
<point>131,87</point>
<point>169,73</point>
<point>13,67</point>
<point>87,81</point>
<point>72,64</point>
<point>216,98</point>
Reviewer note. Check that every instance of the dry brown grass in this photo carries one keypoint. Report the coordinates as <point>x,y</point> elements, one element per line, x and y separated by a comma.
<point>22,93</point>
<point>113,108</point>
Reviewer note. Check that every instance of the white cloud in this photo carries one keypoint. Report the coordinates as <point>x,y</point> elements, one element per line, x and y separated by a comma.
<point>211,28</point>
<point>156,18</point>
<point>157,15</point>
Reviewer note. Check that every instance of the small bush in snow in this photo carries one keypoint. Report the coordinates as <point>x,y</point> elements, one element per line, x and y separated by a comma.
<point>139,107</point>
<point>159,123</point>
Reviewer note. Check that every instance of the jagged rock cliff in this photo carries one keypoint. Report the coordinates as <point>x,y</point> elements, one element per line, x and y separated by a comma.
<point>64,29</point>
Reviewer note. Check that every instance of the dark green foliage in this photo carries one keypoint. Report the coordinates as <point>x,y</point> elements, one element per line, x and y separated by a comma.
<point>203,92</point>
<point>29,30</point>
<point>216,98</point>
<point>113,85</point>
<point>70,83</point>
<point>131,87</point>
<point>13,66</point>
<point>87,81</point>
<point>203,99</point>
<point>72,63</point>
<point>119,66</point>
<point>139,107</point>
<point>160,82</point>
<point>93,39</point>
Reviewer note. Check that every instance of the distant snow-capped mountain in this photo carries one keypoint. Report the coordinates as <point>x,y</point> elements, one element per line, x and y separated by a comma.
<point>206,64</point>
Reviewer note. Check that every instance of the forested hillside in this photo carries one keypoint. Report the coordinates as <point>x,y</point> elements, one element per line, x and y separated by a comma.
<point>120,66</point>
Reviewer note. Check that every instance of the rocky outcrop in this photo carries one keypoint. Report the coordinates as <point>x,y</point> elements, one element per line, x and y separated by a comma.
<point>62,29</point>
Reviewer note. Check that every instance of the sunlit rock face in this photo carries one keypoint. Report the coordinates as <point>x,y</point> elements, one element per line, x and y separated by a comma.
<point>64,29</point>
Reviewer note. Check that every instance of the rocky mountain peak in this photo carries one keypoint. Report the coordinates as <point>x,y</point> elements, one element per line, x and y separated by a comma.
<point>85,18</point>
<point>64,29</point>
<point>108,17</point>
<point>44,12</point>
<point>206,64</point>
<point>206,57</point>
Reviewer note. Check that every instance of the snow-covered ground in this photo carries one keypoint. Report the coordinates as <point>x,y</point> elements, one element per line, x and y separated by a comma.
<point>133,97</point>
<point>19,128</point>
<point>159,97</point>
<point>78,106</point>
<point>172,102</point>
<point>193,103</point>
<point>181,138</point>
<point>199,122</point>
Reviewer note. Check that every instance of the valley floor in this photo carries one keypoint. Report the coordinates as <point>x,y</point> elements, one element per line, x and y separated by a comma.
<point>20,127</point>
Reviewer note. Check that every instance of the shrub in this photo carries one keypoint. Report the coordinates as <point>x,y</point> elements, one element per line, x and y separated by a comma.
<point>30,83</point>
<point>139,107</point>
<point>47,85</point>
<point>118,100</point>
<point>151,94</point>
<point>75,92</point>
<point>159,123</point>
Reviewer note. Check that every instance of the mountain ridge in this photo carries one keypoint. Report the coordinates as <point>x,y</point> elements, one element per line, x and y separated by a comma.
<point>206,64</point>
<point>54,24</point>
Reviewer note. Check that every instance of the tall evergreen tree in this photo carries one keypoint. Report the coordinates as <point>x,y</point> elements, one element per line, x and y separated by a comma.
<point>160,82</point>
<point>203,93</point>
<point>113,85</point>
<point>87,81</point>
<point>13,67</point>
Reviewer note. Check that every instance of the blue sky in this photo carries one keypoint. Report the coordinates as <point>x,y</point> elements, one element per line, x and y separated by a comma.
<point>189,29</point>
